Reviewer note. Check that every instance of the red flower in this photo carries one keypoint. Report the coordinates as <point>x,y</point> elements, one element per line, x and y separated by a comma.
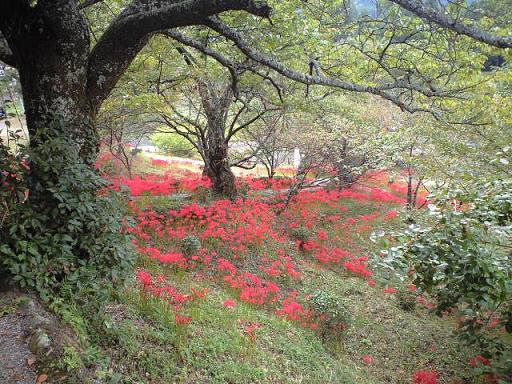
<point>367,359</point>
<point>494,323</point>
<point>389,290</point>
<point>229,303</point>
<point>249,330</point>
<point>199,294</point>
<point>491,379</point>
<point>474,362</point>
<point>424,377</point>
<point>182,320</point>
<point>390,215</point>
<point>144,278</point>
<point>322,235</point>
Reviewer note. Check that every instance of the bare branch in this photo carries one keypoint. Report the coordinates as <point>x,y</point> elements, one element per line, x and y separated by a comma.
<point>233,130</point>
<point>445,21</point>
<point>199,46</point>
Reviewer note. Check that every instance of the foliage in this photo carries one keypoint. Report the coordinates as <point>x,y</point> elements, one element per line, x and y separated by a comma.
<point>300,234</point>
<point>68,234</point>
<point>463,260</point>
<point>334,316</point>
<point>190,245</point>
<point>173,144</point>
<point>13,165</point>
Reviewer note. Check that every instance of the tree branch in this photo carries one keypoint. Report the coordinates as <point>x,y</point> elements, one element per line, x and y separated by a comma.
<point>183,39</point>
<point>233,130</point>
<point>381,90</point>
<point>180,37</point>
<point>441,19</point>
<point>131,30</point>
<point>88,3</point>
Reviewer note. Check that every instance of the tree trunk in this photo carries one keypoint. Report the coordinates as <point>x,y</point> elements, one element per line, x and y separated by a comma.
<point>218,170</point>
<point>53,75</point>
<point>216,106</point>
<point>52,57</point>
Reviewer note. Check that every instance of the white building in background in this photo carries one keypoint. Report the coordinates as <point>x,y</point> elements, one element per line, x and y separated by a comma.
<point>296,157</point>
<point>146,146</point>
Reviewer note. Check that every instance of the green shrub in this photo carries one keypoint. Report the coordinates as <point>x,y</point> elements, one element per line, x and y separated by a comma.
<point>190,245</point>
<point>67,233</point>
<point>300,234</point>
<point>463,260</point>
<point>173,144</point>
<point>406,300</point>
<point>333,315</point>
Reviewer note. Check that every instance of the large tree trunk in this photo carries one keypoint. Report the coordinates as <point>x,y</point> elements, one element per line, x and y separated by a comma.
<point>216,105</point>
<point>217,165</point>
<point>52,63</point>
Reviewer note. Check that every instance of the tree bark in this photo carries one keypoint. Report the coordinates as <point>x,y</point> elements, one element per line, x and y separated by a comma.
<point>218,170</point>
<point>51,54</point>
<point>216,103</point>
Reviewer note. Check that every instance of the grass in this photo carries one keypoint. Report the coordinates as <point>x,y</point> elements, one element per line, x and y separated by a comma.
<point>141,342</point>
<point>217,350</point>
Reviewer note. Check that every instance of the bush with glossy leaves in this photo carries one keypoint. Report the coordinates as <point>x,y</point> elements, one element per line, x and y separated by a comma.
<point>70,230</point>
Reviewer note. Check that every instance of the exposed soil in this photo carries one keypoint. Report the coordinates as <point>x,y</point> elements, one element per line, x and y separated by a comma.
<point>17,363</point>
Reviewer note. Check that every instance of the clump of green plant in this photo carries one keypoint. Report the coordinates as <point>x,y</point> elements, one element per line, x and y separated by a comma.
<point>190,245</point>
<point>463,260</point>
<point>300,234</point>
<point>243,190</point>
<point>173,144</point>
<point>332,313</point>
<point>70,360</point>
<point>66,233</point>
<point>13,166</point>
<point>406,300</point>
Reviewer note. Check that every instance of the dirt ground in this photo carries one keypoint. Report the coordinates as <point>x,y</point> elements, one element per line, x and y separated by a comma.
<point>16,360</point>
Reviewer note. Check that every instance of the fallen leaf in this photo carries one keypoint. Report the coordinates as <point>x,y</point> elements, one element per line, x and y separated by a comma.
<point>31,360</point>
<point>41,378</point>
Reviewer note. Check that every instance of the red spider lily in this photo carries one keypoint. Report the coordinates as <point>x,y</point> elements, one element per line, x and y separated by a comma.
<point>390,215</point>
<point>357,266</point>
<point>367,359</point>
<point>491,379</point>
<point>250,329</point>
<point>390,290</point>
<point>322,235</point>
<point>199,294</point>
<point>144,278</point>
<point>494,323</point>
<point>182,320</point>
<point>235,229</point>
<point>159,162</point>
<point>424,377</point>
<point>224,265</point>
<point>479,359</point>
<point>229,303</point>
